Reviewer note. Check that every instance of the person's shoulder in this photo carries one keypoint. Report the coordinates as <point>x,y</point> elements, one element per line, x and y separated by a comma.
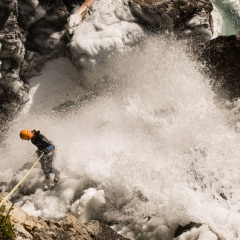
<point>37,134</point>
<point>36,131</point>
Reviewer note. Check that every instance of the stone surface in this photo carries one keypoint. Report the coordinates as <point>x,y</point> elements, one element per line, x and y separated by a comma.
<point>192,229</point>
<point>13,91</point>
<point>37,228</point>
<point>191,19</point>
<point>30,34</point>
<point>222,58</point>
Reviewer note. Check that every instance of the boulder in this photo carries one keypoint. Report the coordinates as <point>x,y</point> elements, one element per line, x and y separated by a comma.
<point>13,91</point>
<point>185,18</point>
<point>191,229</point>
<point>222,63</point>
<point>37,228</point>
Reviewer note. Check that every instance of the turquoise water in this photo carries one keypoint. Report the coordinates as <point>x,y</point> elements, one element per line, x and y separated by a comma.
<point>230,12</point>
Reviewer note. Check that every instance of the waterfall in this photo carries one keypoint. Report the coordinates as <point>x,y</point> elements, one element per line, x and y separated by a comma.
<point>144,139</point>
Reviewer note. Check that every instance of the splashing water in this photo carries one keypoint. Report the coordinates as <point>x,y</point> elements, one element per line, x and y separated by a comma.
<point>230,11</point>
<point>150,144</point>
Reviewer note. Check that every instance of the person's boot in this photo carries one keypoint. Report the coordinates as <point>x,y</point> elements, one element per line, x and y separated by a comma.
<point>56,177</point>
<point>46,183</point>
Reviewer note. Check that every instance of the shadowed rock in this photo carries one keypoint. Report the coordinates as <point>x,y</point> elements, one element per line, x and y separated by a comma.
<point>222,58</point>
<point>13,91</point>
<point>186,18</point>
<point>192,228</point>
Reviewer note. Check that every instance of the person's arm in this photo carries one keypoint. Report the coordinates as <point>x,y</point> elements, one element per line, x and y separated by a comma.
<point>49,148</point>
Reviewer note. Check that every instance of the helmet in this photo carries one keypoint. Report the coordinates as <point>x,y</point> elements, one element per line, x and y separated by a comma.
<point>26,134</point>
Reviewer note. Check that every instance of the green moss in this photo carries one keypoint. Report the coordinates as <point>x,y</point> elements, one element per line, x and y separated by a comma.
<point>6,227</point>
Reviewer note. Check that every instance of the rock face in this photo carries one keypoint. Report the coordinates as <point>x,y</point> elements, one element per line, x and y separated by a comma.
<point>36,228</point>
<point>186,18</point>
<point>202,230</point>
<point>44,24</point>
<point>222,57</point>
<point>104,32</point>
<point>13,91</point>
<point>30,34</point>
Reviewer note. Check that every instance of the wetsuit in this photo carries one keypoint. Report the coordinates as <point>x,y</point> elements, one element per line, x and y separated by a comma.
<point>41,142</point>
<point>46,146</point>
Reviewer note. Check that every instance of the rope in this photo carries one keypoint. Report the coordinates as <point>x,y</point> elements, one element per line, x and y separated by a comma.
<point>15,188</point>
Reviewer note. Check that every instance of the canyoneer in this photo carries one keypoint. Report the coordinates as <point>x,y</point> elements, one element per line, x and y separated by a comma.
<point>44,146</point>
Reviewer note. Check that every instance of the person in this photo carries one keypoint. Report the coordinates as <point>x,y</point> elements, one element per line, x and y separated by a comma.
<point>44,146</point>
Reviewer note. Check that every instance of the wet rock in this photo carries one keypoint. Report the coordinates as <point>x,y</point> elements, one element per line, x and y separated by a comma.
<point>122,26</point>
<point>186,18</point>
<point>5,11</point>
<point>31,32</point>
<point>103,33</point>
<point>70,223</point>
<point>196,229</point>
<point>106,233</point>
<point>181,229</point>
<point>45,25</point>
<point>222,63</point>
<point>37,228</point>
<point>13,91</point>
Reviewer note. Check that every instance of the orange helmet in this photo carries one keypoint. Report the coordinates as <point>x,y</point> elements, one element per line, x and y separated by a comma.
<point>26,134</point>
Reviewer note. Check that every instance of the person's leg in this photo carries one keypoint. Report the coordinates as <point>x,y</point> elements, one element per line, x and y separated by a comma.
<point>44,161</point>
<point>46,182</point>
<point>56,175</point>
<point>51,157</point>
<point>44,164</point>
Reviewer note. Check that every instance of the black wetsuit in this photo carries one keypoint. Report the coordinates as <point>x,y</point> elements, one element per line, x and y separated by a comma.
<point>46,146</point>
<point>41,142</point>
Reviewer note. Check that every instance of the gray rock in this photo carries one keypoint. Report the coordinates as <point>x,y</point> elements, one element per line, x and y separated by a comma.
<point>222,58</point>
<point>185,18</point>
<point>37,228</point>
<point>13,91</point>
<point>203,231</point>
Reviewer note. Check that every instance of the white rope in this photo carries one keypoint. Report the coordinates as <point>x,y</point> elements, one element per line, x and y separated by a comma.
<point>24,177</point>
